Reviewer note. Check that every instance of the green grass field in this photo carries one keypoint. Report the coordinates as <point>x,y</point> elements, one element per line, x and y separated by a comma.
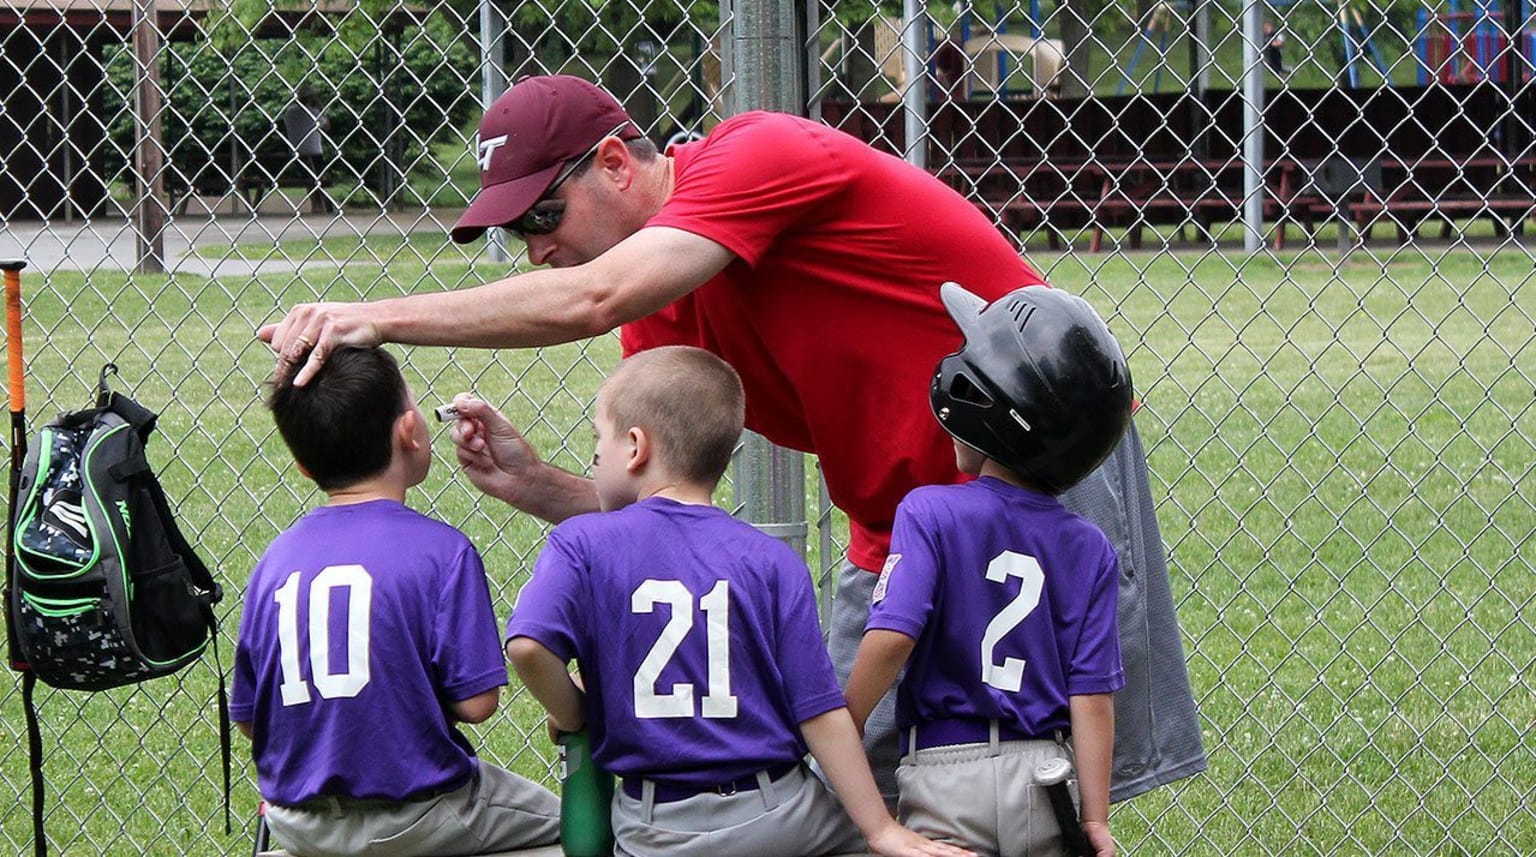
<point>1337,449</point>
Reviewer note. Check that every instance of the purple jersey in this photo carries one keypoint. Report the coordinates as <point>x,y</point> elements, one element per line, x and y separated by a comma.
<point>696,636</point>
<point>360,624</point>
<point>1011,598</point>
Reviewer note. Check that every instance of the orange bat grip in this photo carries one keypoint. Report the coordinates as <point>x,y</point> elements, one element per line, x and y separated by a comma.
<point>13,341</point>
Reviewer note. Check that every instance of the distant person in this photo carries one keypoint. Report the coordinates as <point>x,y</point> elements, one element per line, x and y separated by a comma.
<point>704,676</point>
<point>1274,43</point>
<point>998,601</point>
<point>949,63</point>
<point>305,124</point>
<point>367,634</point>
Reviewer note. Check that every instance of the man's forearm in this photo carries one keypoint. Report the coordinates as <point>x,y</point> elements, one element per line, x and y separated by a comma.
<point>554,494</point>
<point>544,307</point>
<point>633,279</point>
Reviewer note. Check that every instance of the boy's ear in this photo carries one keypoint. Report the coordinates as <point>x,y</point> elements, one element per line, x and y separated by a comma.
<point>640,450</point>
<point>406,426</point>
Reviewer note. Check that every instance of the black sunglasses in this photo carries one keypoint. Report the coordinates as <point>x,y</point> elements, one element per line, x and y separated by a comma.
<point>544,216</point>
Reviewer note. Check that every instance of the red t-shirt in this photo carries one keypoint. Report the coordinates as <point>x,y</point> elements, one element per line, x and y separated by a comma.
<point>831,313</point>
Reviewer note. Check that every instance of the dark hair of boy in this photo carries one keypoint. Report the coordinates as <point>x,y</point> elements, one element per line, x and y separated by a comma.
<point>688,400</point>
<point>338,426</point>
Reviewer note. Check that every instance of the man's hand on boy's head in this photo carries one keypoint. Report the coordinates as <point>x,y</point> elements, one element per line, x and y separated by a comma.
<point>310,332</point>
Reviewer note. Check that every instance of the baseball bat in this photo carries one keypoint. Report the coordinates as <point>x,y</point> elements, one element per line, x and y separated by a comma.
<point>18,403</point>
<point>1053,774</point>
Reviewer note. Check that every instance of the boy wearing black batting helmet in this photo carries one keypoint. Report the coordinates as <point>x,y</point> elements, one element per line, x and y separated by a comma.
<point>998,600</point>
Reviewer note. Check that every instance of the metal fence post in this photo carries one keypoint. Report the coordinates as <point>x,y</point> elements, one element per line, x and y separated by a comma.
<point>770,480</point>
<point>1253,126</point>
<point>493,82</point>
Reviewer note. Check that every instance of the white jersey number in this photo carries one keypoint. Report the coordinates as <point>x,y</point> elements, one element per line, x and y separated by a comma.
<point>1008,676</point>
<point>332,685</point>
<point>678,702</point>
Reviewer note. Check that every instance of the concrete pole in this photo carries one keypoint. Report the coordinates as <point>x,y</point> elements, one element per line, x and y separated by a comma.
<point>765,52</point>
<point>149,158</point>
<point>493,82</point>
<point>1253,125</point>
<point>914,43</point>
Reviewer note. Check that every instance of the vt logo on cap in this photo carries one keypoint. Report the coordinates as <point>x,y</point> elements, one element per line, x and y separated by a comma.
<point>527,136</point>
<point>488,148</point>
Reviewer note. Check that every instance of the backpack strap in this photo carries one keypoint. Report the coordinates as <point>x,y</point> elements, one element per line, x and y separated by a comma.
<point>203,579</point>
<point>35,763</point>
<point>224,736</point>
<point>141,418</point>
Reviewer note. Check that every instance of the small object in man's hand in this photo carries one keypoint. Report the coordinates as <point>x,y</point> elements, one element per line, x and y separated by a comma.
<point>446,413</point>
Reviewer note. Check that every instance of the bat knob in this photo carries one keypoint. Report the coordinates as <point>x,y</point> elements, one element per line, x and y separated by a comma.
<point>1052,771</point>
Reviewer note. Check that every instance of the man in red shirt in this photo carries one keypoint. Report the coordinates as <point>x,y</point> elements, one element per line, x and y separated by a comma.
<point>811,263</point>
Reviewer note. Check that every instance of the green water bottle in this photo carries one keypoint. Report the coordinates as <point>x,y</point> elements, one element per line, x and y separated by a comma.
<point>586,794</point>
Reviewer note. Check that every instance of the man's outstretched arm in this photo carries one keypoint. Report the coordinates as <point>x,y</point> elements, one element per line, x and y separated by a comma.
<point>633,279</point>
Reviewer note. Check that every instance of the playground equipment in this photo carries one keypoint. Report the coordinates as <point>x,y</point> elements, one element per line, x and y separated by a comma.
<point>1357,44</point>
<point>1458,46</point>
<point>1156,24</point>
<point>996,57</point>
<point>992,55</point>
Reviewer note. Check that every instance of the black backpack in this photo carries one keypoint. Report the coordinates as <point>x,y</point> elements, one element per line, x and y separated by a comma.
<point>103,589</point>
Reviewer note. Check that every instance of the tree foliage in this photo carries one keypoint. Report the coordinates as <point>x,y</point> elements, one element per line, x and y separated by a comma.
<point>390,86</point>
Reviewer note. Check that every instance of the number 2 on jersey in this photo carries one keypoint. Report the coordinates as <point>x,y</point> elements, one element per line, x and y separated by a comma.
<point>678,702</point>
<point>1008,676</point>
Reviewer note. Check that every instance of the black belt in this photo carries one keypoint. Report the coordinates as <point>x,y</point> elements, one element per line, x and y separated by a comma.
<point>943,733</point>
<point>321,803</point>
<point>668,791</point>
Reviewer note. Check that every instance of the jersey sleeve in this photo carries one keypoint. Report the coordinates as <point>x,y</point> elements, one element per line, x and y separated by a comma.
<point>549,607</point>
<point>466,653</point>
<point>753,179</point>
<point>242,692</point>
<point>1095,666</point>
<point>810,682</point>
<point>904,597</point>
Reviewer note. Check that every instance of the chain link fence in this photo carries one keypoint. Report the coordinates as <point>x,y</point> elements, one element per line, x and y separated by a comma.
<point>1303,218</point>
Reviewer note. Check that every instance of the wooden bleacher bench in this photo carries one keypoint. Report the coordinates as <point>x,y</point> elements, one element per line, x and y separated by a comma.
<point>1448,186</point>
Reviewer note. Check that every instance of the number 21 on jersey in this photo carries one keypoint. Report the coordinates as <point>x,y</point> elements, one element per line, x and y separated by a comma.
<point>718,702</point>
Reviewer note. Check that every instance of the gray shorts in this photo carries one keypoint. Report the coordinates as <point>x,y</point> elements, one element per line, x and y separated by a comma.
<point>497,811</point>
<point>795,814</point>
<point>980,796</point>
<point>850,612</point>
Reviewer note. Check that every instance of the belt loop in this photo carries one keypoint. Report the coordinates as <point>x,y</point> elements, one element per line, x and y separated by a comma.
<point>765,788</point>
<point>648,801</point>
<point>993,742</point>
<point>333,806</point>
<point>911,745</point>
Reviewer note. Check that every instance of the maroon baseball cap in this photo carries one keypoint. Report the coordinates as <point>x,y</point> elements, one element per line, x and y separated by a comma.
<point>527,135</point>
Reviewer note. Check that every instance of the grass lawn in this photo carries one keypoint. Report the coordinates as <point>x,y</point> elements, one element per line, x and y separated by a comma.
<point>1337,448</point>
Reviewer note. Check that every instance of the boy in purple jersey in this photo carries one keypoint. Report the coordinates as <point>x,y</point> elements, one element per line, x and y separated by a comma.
<point>367,633</point>
<point>697,640</point>
<point>998,601</point>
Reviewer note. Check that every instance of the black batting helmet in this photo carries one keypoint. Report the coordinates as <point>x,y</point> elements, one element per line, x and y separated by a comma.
<point>1040,385</point>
